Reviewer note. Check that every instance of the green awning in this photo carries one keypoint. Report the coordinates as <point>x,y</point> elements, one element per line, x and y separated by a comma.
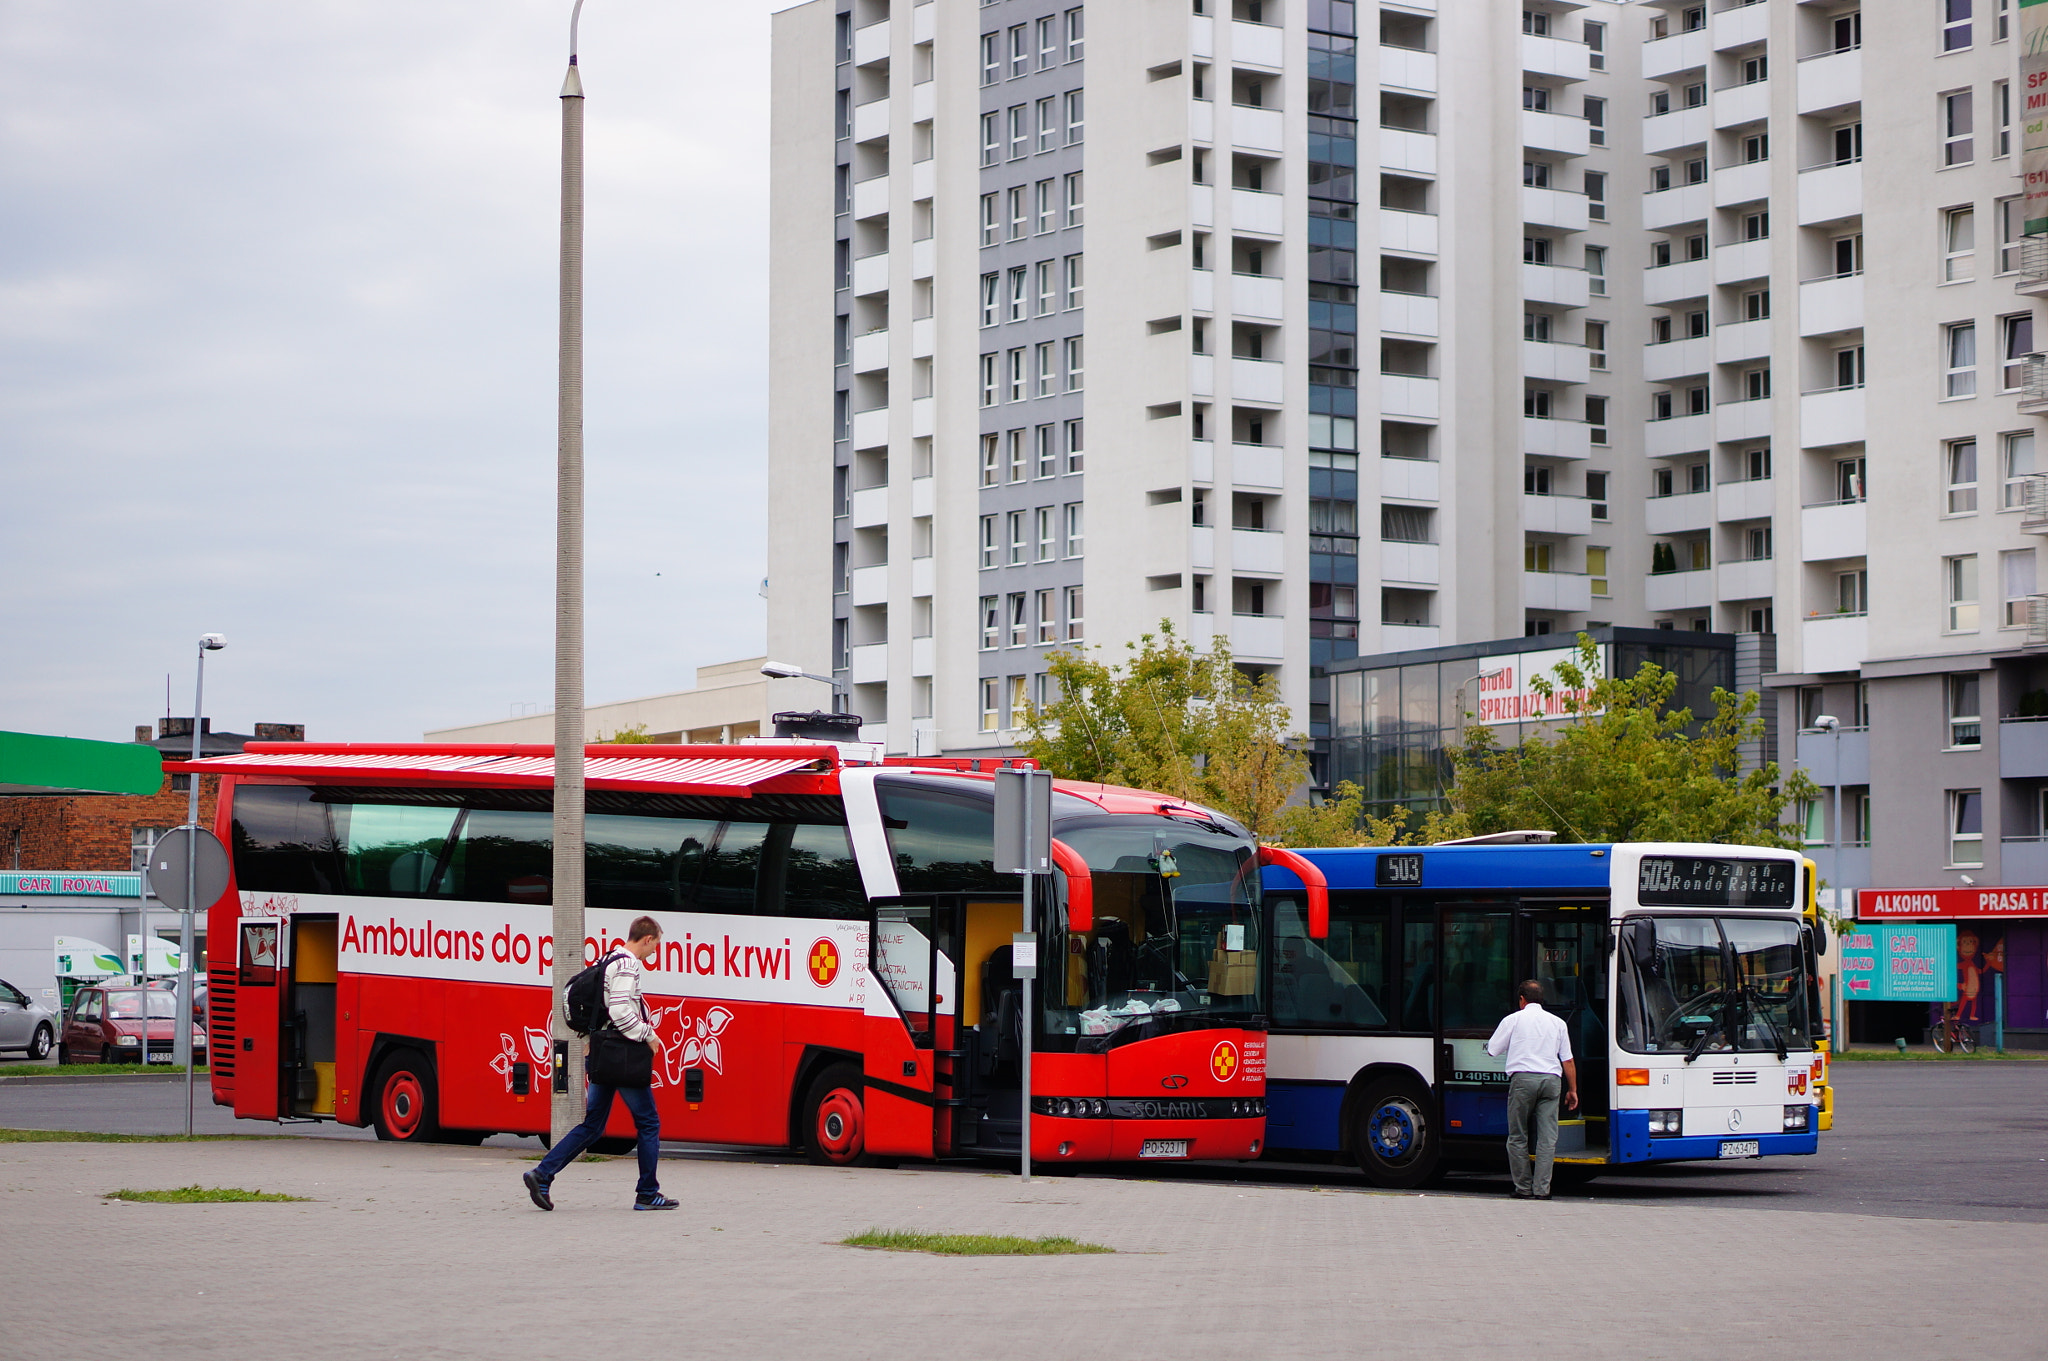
<point>34,764</point>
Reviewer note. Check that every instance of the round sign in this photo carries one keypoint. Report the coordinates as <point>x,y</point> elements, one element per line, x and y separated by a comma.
<point>1223,1061</point>
<point>823,962</point>
<point>171,862</point>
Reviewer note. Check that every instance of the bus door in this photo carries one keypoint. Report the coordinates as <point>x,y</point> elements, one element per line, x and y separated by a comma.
<point>915,958</point>
<point>1476,987</point>
<point>309,1054</point>
<point>1563,948</point>
<point>261,946</point>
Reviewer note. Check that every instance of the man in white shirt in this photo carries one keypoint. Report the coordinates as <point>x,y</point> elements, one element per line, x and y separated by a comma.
<point>1539,1052</point>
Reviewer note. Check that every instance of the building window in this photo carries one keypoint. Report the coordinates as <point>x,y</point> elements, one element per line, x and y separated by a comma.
<point>1018,463</point>
<point>1596,417</point>
<point>1073,363</point>
<point>1074,614</point>
<point>1043,452</point>
<point>1596,195</point>
<point>1756,226</point>
<point>1852,592</point>
<point>1965,827</point>
<point>991,299</point>
<point>1957,119</point>
<point>1849,479</point>
<point>1596,344</point>
<point>988,380</point>
<point>1046,547</point>
<point>2012,229</point>
<point>1048,123</point>
<point>1596,492</point>
<point>1756,385</point>
<point>1596,270</point>
<point>1073,526</point>
<point>1074,34</point>
<point>1958,245</point>
<point>991,697</point>
<point>2001,113</point>
<point>991,58</point>
<point>1756,147</point>
<point>1846,32</point>
<point>1016,380</point>
<point>1074,199</point>
<point>1071,269</point>
<point>1019,538</point>
<point>1960,359</point>
<point>2016,336</point>
<point>1020,131</point>
<point>1848,255</point>
<point>2019,466</point>
<point>1756,464</point>
<point>1756,304</point>
<point>1535,23</point>
<point>1960,461</point>
<point>1596,124</point>
<point>1043,374</point>
<point>1755,68</point>
<point>1020,217</point>
<point>988,219</point>
<point>1020,701</point>
<point>1596,46</point>
<point>991,622</point>
<point>1596,571</point>
<point>1048,42</point>
<point>2016,574</point>
<point>1020,50</point>
<point>1074,119</point>
<point>991,138</point>
<point>1048,206</point>
<point>1074,446</point>
<point>1955,25</point>
<point>988,538</point>
<point>1048,617</point>
<point>1536,174</point>
<point>1959,580</point>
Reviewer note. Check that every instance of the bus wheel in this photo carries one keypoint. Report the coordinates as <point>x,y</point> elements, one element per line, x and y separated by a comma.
<point>835,1120</point>
<point>1394,1138</point>
<point>405,1100</point>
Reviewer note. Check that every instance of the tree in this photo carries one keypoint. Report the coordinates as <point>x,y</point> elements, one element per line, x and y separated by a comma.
<point>627,736</point>
<point>1341,820</point>
<point>1623,767</point>
<point>1169,718</point>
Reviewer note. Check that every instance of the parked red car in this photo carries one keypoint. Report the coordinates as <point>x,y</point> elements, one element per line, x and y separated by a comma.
<point>105,1026</point>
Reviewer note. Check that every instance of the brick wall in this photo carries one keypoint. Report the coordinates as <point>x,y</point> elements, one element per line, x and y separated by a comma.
<point>90,833</point>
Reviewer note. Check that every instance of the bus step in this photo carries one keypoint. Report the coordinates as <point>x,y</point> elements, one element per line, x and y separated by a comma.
<point>1571,1137</point>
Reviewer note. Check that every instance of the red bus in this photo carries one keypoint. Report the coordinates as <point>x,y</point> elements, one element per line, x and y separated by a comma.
<point>835,971</point>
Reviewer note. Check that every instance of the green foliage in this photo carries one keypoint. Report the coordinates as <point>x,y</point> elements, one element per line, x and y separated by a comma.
<point>968,1244</point>
<point>201,1195</point>
<point>1623,767</point>
<point>1341,820</point>
<point>1171,719</point>
<point>627,736</point>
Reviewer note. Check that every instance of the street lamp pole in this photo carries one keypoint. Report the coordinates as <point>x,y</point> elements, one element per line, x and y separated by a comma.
<point>181,1011</point>
<point>1831,725</point>
<point>566,1101</point>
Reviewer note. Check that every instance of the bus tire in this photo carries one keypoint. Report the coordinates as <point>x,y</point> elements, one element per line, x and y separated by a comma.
<point>835,1119</point>
<point>403,1105</point>
<point>1394,1135</point>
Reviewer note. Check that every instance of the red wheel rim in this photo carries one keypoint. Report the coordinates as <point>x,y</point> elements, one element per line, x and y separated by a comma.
<point>839,1125</point>
<point>404,1103</point>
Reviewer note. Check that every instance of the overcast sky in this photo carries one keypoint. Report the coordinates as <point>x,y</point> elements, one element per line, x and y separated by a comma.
<point>277,355</point>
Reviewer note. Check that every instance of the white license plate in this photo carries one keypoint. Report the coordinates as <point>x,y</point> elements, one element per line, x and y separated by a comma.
<point>160,1058</point>
<point>1740,1148</point>
<point>1163,1148</point>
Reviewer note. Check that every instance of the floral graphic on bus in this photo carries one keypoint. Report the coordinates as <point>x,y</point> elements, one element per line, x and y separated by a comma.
<point>539,1053</point>
<point>693,1041</point>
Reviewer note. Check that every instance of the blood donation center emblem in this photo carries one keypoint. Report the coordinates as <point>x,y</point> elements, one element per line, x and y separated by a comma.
<point>823,962</point>
<point>1223,1061</point>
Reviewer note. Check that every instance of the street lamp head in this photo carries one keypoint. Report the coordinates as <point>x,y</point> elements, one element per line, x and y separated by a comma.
<point>212,642</point>
<point>782,670</point>
<point>1827,723</point>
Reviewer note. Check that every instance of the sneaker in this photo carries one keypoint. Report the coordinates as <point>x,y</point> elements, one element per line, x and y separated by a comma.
<point>1541,1195</point>
<point>1520,1194</point>
<point>657,1201</point>
<point>537,1189</point>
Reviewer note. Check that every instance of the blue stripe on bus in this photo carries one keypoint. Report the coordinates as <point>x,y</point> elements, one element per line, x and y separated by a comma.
<point>1630,1133</point>
<point>1303,1114</point>
<point>1461,867</point>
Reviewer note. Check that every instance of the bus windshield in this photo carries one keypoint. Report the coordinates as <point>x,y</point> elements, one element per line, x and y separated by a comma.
<point>1175,932</point>
<point>1709,985</point>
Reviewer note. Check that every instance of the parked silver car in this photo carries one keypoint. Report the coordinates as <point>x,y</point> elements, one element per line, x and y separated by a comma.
<point>26,1026</point>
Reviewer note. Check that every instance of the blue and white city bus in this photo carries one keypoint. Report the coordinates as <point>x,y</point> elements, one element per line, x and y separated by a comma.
<point>1685,973</point>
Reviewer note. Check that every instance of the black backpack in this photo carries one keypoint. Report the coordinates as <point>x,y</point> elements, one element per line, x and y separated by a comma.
<point>583,1003</point>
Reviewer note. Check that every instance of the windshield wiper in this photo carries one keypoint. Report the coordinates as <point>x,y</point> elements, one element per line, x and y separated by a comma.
<point>1699,1045</point>
<point>1756,1000</point>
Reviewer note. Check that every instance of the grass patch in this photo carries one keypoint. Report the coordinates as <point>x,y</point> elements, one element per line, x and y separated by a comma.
<point>202,1195</point>
<point>1919,1056</point>
<point>968,1244</point>
<point>97,1070</point>
<point>84,1136</point>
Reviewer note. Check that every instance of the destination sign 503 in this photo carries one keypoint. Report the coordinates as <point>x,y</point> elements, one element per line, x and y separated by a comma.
<point>1700,881</point>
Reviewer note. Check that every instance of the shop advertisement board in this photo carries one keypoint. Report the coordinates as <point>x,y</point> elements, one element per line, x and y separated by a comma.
<point>1940,904</point>
<point>1889,963</point>
<point>1505,692</point>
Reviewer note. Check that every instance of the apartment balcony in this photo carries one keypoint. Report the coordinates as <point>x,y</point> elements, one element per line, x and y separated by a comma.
<point>1740,261</point>
<point>871,428</point>
<point>1202,375</point>
<point>1406,637</point>
<point>870,664</point>
<point>1257,45</point>
<point>923,26</point>
<point>924,103</point>
<point>871,196</point>
<point>1833,642</point>
<point>1746,420</point>
<point>1838,529</point>
<point>1201,546</point>
<point>1555,208</point>
<point>871,120</point>
<point>1742,342</point>
<point>1830,193</point>
<point>1740,27</point>
<point>871,273</point>
<point>1556,514</point>
<point>1739,104</point>
<point>1201,36</point>
<point>1547,438</point>
<point>1677,435</point>
<point>1674,359</point>
<point>924,254</point>
<point>1202,120</point>
<point>1404,68</point>
<point>2034,383</point>
<point>1202,461</point>
<point>1252,210</point>
<point>1202,205</point>
<point>871,352</point>
<point>924,336</point>
<point>924,656</point>
<point>1667,57</point>
<point>1258,295</point>
<point>1685,514</point>
<point>1667,284</point>
<point>1260,466</point>
<point>1752,499</point>
<point>1750,579</point>
<point>923,501</point>
<point>1559,592</point>
<point>1411,232</point>
<point>2033,280</point>
<point>1257,129</point>
<point>2023,859</point>
<point>1258,637</point>
<point>923,417</point>
<point>1202,290</point>
<point>1749,182</point>
<point>1404,396</point>
<point>1560,134</point>
<point>1832,416</point>
<point>1411,479</point>
<point>1841,757</point>
<point>1401,150</point>
<point>1258,380</point>
<point>1830,306</point>
<point>2022,749</point>
<point>1552,362</point>
<point>1664,209</point>
<point>924,573</point>
<point>1258,550</point>
<point>1678,590</point>
<point>1830,81</point>
<point>1408,314</point>
<point>871,44</point>
<point>1664,133</point>
<point>870,507</point>
<point>1412,564</point>
<point>871,585</point>
<point>1558,58</point>
<point>1555,285</point>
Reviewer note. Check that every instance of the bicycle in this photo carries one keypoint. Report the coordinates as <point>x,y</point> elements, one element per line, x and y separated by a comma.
<point>1950,1035</point>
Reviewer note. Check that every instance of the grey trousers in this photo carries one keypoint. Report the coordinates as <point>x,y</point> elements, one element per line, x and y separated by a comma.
<point>1532,1109</point>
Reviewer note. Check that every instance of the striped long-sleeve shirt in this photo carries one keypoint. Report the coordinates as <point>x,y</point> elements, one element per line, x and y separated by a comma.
<point>622,1000</point>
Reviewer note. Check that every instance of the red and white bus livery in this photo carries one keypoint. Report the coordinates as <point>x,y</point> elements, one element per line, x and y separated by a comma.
<point>836,965</point>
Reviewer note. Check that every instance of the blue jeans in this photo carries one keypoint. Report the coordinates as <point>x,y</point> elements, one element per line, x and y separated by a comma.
<point>597,1110</point>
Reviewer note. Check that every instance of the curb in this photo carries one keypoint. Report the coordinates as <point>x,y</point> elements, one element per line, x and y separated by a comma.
<point>60,1079</point>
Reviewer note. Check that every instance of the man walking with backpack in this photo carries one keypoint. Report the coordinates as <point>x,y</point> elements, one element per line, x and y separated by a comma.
<point>623,1046</point>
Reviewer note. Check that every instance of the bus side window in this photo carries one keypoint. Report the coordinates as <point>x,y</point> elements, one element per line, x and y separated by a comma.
<point>820,877</point>
<point>284,842</point>
<point>1335,984</point>
<point>1418,968</point>
<point>501,855</point>
<point>942,841</point>
<point>637,863</point>
<point>730,867</point>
